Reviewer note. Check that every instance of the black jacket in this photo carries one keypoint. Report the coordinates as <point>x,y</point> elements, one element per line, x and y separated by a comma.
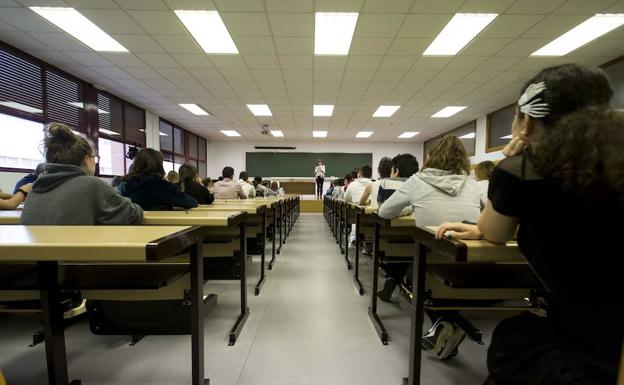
<point>198,191</point>
<point>154,193</point>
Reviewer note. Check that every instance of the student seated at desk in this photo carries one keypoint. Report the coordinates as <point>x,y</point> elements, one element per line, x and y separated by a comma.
<point>67,193</point>
<point>144,184</point>
<point>338,189</point>
<point>227,188</point>
<point>11,201</point>
<point>561,189</point>
<point>383,170</point>
<point>260,188</point>
<point>356,188</point>
<point>402,167</point>
<point>188,184</point>
<point>442,190</point>
<point>248,188</point>
<point>173,177</point>
<point>30,178</point>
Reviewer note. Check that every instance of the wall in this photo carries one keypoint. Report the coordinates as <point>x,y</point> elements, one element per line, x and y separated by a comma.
<point>232,153</point>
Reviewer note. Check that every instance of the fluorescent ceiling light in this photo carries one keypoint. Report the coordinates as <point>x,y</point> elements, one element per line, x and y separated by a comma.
<point>462,28</point>
<point>408,135</point>
<point>590,29</point>
<point>109,132</point>
<point>323,110</point>
<point>507,137</point>
<point>22,107</point>
<point>364,134</point>
<point>81,105</point>
<point>448,111</point>
<point>333,32</point>
<point>277,133</point>
<point>468,136</point>
<point>319,134</point>
<point>260,109</point>
<point>193,108</point>
<point>75,24</point>
<point>385,111</point>
<point>230,133</point>
<point>208,30</point>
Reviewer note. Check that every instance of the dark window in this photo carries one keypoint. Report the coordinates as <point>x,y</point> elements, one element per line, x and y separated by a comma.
<point>21,85</point>
<point>166,136</point>
<point>110,115</point>
<point>615,72</point>
<point>64,101</point>
<point>499,128</point>
<point>134,125</point>
<point>178,140</point>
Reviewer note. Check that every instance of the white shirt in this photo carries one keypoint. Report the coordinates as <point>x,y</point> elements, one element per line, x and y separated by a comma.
<point>248,189</point>
<point>338,191</point>
<point>355,189</point>
<point>319,170</point>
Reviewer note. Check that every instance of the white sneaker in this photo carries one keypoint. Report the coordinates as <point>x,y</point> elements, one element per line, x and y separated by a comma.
<point>436,339</point>
<point>450,349</point>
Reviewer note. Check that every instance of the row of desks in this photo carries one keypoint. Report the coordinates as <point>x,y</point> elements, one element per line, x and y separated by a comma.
<point>420,247</point>
<point>143,250</point>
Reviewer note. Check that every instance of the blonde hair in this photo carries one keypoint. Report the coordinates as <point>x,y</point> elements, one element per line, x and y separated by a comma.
<point>483,170</point>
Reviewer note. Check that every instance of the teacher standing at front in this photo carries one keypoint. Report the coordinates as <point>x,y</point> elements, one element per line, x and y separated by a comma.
<point>319,173</point>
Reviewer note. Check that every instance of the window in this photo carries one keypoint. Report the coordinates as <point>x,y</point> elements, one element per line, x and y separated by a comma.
<point>499,128</point>
<point>21,86</point>
<point>112,157</point>
<point>172,145</point>
<point>615,72</point>
<point>64,101</point>
<point>24,150</point>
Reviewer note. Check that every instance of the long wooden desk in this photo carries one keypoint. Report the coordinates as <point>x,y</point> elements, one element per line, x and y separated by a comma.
<point>50,246</point>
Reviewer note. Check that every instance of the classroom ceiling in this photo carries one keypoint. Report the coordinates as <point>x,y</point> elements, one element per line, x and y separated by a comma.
<point>276,64</point>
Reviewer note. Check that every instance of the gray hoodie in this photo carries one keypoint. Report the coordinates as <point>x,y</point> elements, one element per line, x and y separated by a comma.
<point>66,195</point>
<point>437,196</point>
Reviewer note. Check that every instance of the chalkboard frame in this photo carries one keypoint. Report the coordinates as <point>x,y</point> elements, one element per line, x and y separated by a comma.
<point>301,164</point>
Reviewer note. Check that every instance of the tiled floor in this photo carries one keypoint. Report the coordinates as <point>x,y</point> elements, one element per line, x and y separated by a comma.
<point>308,326</point>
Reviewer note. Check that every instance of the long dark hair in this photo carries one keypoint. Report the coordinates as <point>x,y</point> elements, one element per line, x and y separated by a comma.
<point>188,174</point>
<point>583,136</point>
<point>64,147</point>
<point>448,154</point>
<point>147,163</point>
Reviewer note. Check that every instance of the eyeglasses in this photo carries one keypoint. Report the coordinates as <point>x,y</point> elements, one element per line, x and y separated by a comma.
<point>95,158</point>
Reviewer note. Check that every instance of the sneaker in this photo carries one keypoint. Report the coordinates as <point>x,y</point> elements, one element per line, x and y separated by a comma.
<point>436,338</point>
<point>450,349</point>
<point>388,289</point>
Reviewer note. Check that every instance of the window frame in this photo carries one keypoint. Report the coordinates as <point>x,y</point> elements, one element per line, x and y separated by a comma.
<point>488,130</point>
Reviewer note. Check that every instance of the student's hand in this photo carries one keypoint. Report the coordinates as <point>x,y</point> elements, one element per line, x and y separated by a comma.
<point>514,147</point>
<point>458,231</point>
<point>27,187</point>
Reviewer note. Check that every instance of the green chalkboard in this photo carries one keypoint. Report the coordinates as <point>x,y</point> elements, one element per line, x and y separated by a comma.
<point>301,164</point>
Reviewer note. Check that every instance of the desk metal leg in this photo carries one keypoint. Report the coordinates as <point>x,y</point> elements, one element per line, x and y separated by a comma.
<point>272,262</point>
<point>356,271</point>
<point>281,227</point>
<point>53,325</point>
<point>417,313</point>
<point>262,254</point>
<point>240,321</point>
<point>198,312</point>
<point>372,310</point>
<point>347,230</point>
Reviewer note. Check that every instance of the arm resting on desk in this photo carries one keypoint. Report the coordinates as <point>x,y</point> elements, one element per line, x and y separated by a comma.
<point>496,227</point>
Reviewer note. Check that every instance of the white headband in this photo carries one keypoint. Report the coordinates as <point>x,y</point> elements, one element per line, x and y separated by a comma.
<point>536,108</point>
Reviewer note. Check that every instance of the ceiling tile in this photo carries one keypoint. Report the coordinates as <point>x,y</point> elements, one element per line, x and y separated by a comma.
<point>112,21</point>
<point>338,5</point>
<point>484,47</point>
<point>193,60</point>
<point>292,24</point>
<point>240,5</point>
<point>255,45</point>
<point>236,74</point>
<point>535,6</point>
<point>296,61</point>
<point>449,76</point>
<point>438,6</point>
<point>60,41</point>
<point>522,47</point>
<point>123,59</point>
<point>330,62</point>
<point>398,62</point>
<point>420,75</point>
<point>178,44</point>
<point>246,24</point>
<point>88,58</point>
<point>359,75</point>
<point>227,61</point>
<point>112,72</point>
<point>174,73</point>
<point>464,63</point>
<point>261,61</point>
<point>554,25</point>
<point>267,74</point>
<point>295,45</point>
<point>159,22</point>
<point>143,73</point>
<point>383,75</point>
<point>23,41</point>
<point>404,46</point>
<point>431,63</point>
<point>139,43</point>
<point>423,25</point>
<point>494,6</point>
<point>191,4</point>
<point>378,25</point>
<point>289,5</point>
<point>328,74</point>
<point>142,4</point>
<point>158,60</point>
<point>205,73</point>
<point>95,4</point>
<point>385,6</point>
<point>364,62</point>
<point>510,26</point>
<point>369,46</point>
<point>26,20</point>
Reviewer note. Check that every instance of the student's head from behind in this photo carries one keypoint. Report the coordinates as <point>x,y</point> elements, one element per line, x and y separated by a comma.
<point>228,172</point>
<point>258,179</point>
<point>483,170</point>
<point>62,146</point>
<point>385,167</point>
<point>274,186</point>
<point>148,162</point>
<point>173,176</point>
<point>404,166</point>
<point>449,154</point>
<point>355,173</point>
<point>219,179</point>
<point>188,173</point>
<point>207,182</point>
<point>365,172</point>
<point>574,135</point>
<point>243,176</point>
<point>349,177</point>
